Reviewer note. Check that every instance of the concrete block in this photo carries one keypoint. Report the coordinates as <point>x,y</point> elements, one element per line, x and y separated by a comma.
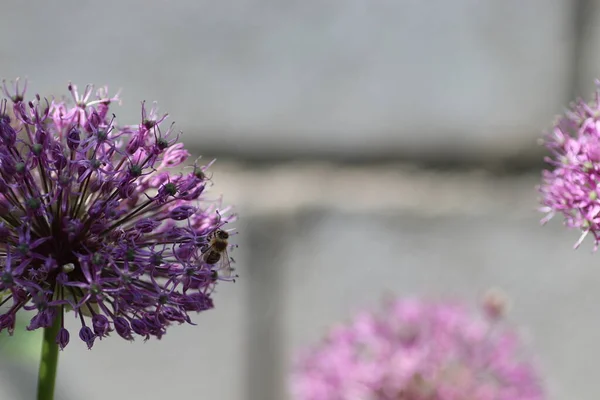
<point>359,79</point>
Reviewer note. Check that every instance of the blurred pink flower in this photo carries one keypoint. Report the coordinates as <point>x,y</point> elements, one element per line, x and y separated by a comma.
<point>417,350</point>
<point>572,184</point>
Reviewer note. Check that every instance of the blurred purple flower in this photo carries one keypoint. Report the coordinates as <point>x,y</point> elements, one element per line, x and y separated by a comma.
<point>417,350</point>
<point>92,219</point>
<point>572,185</point>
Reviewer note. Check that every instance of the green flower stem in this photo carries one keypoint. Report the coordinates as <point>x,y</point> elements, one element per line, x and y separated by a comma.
<point>48,362</point>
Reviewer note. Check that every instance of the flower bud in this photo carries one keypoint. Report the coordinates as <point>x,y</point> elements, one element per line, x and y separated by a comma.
<point>73,138</point>
<point>495,304</point>
<point>122,327</point>
<point>86,334</point>
<point>182,212</point>
<point>62,339</point>
<point>101,325</point>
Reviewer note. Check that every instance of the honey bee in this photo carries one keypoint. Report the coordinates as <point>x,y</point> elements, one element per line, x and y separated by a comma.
<point>216,252</point>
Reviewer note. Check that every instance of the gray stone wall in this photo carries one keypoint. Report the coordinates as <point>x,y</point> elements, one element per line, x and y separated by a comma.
<point>466,79</point>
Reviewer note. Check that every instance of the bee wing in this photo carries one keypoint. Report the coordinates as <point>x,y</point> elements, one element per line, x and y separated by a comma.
<point>225,268</point>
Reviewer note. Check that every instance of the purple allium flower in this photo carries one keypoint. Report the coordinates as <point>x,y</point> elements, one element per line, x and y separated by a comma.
<point>417,350</point>
<point>94,220</point>
<point>572,185</point>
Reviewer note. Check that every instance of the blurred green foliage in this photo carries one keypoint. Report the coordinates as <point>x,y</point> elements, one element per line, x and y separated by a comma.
<point>24,346</point>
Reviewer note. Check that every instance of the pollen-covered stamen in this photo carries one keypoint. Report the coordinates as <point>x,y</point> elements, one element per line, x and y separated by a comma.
<point>18,95</point>
<point>151,119</point>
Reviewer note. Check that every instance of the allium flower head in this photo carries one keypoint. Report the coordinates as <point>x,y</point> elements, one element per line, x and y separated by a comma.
<point>572,185</point>
<point>417,350</point>
<point>97,222</point>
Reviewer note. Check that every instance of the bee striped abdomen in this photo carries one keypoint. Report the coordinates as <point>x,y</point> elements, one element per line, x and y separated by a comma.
<point>212,257</point>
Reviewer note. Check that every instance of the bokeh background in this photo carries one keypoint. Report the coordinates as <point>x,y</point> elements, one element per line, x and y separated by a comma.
<point>369,146</point>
